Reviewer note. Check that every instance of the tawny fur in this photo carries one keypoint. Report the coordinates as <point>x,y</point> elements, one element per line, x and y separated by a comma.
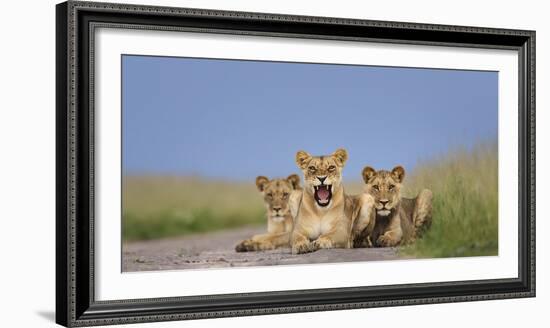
<point>324,225</point>
<point>397,220</point>
<point>277,194</point>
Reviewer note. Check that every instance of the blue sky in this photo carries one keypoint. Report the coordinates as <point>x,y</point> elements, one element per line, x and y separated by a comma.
<point>235,119</point>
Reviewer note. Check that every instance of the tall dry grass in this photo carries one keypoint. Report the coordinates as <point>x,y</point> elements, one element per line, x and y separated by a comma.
<point>465,204</point>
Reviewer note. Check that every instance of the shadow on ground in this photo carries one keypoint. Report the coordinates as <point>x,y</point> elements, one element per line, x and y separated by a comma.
<point>48,315</point>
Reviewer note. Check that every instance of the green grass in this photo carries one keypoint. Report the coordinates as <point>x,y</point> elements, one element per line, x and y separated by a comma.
<point>159,207</point>
<point>465,204</point>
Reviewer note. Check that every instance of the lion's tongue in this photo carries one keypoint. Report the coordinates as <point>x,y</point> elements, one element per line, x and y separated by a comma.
<point>323,193</point>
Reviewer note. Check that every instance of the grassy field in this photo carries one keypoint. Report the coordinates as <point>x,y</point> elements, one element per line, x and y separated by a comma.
<point>465,204</point>
<point>465,209</point>
<point>163,206</point>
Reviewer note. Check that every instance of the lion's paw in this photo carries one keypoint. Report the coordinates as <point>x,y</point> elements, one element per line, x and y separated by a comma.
<point>247,245</point>
<point>302,247</point>
<point>323,242</point>
<point>386,241</point>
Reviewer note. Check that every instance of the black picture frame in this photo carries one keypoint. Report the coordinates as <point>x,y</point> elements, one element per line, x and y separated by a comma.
<point>75,26</point>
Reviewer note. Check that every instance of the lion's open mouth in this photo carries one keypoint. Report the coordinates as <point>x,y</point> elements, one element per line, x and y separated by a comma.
<point>322,194</point>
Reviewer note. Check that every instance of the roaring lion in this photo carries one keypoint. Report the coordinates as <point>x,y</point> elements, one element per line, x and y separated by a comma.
<point>326,215</point>
<point>278,195</point>
<point>397,220</point>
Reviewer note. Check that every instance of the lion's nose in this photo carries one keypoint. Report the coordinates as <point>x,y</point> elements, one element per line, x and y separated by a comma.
<point>322,179</point>
<point>276,209</point>
<point>384,202</point>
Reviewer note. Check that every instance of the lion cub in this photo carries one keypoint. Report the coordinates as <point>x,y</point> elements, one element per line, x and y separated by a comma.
<point>324,217</point>
<point>278,195</point>
<point>398,220</point>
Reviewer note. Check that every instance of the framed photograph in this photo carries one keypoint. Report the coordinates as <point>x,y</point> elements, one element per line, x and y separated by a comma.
<point>215,163</point>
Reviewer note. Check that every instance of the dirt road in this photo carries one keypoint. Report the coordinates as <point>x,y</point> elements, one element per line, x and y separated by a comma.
<point>217,250</point>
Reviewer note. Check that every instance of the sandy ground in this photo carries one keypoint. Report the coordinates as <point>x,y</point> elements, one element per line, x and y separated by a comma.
<point>217,250</point>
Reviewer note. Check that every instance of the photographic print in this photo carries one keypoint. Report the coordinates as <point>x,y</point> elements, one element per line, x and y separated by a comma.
<point>217,163</point>
<point>231,163</point>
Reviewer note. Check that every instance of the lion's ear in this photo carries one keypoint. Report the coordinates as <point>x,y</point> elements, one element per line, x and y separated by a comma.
<point>294,181</point>
<point>302,159</point>
<point>341,156</point>
<point>261,181</point>
<point>398,173</point>
<point>368,173</point>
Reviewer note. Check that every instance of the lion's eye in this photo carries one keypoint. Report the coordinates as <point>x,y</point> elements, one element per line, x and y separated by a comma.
<point>312,168</point>
<point>391,187</point>
<point>270,195</point>
<point>285,195</point>
<point>375,187</point>
<point>332,168</point>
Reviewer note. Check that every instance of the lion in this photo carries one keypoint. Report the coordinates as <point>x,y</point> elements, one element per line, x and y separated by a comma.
<point>325,213</point>
<point>398,220</point>
<point>278,195</point>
